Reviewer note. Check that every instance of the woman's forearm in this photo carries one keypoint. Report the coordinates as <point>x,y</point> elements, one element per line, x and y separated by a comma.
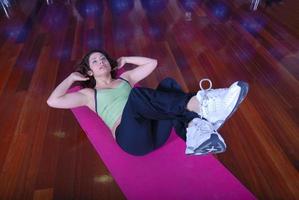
<point>145,67</point>
<point>137,60</point>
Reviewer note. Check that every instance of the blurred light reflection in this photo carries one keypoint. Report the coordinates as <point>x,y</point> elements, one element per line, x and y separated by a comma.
<point>154,7</point>
<point>121,7</point>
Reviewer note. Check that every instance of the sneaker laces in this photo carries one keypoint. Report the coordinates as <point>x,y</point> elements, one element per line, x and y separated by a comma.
<point>208,97</point>
<point>205,97</point>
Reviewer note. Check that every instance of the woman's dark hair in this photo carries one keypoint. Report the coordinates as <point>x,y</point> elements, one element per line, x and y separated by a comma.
<point>83,67</point>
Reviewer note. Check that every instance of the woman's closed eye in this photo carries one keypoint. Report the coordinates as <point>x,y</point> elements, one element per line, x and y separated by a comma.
<point>102,59</point>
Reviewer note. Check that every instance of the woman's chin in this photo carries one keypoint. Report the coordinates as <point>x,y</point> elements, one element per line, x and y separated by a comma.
<point>106,74</point>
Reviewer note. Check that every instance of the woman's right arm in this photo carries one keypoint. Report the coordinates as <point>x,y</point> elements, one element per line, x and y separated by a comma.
<point>60,99</point>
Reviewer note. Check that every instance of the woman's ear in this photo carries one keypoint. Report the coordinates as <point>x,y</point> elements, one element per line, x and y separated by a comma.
<point>90,73</point>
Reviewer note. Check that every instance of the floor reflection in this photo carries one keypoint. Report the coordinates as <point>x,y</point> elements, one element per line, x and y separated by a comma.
<point>74,26</point>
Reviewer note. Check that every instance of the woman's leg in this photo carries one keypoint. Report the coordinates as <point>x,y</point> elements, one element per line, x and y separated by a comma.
<point>181,123</point>
<point>193,105</point>
<point>134,134</point>
<point>160,104</point>
<point>149,116</point>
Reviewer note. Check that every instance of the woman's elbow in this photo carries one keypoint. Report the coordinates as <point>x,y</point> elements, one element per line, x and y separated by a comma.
<point>50,103</point>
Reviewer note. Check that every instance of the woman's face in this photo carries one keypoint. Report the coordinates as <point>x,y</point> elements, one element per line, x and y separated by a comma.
<point>99,64</point>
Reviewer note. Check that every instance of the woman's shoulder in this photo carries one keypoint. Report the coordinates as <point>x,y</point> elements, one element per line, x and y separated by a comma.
<point>89,92</point>
<point>126,77</point>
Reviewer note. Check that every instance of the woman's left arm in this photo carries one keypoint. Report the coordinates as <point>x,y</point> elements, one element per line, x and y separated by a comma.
<point>145,67</point>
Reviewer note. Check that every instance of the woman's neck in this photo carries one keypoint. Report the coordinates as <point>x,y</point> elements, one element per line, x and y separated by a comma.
<point>103,81</point>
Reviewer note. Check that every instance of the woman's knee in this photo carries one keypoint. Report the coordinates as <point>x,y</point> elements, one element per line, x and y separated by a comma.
<point>169,84</point>
<point>168,80</point>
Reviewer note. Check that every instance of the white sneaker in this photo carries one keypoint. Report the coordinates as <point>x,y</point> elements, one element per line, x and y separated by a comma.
<point>201,138</point>
<point>217,105</point>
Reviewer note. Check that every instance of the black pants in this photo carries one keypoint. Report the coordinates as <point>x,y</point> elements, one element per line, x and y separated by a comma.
<point>149,116</point>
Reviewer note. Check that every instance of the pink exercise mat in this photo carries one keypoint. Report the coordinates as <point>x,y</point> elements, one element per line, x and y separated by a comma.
<point>165,174</point>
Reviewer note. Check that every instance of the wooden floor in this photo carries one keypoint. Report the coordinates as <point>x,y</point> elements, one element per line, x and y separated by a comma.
<point>44,154</point>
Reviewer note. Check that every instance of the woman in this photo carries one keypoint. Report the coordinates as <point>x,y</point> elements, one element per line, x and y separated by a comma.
<point>140,119</point>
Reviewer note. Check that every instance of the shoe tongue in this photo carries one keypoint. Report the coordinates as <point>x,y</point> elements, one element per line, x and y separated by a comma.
<point>200,96</point>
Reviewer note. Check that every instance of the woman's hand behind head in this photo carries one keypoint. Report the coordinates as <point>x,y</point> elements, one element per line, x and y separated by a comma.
<point>76,76</point>
<point>121,62</point>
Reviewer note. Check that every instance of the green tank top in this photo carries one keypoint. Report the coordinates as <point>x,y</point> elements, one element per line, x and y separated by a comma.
<point>110,103</point>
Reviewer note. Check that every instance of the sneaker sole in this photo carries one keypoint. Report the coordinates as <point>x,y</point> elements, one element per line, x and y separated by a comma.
<point>213,145</point>
<point>243,93</point>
